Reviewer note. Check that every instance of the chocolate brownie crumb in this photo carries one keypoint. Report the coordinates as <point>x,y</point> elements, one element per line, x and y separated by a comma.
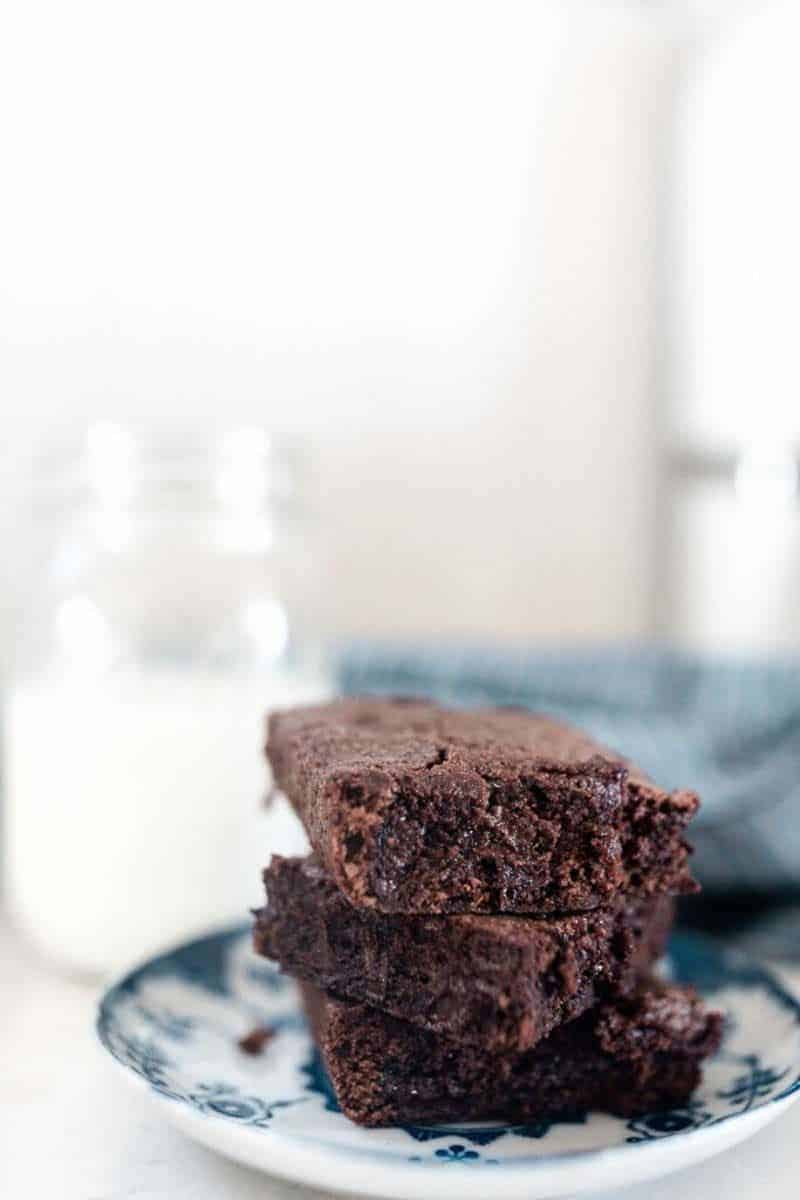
<point>256,1040</point>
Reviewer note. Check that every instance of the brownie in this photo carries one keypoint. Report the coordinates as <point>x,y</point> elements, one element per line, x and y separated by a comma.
<point>413,808</point>
<point>630,1056</point>
<point>502,982</point>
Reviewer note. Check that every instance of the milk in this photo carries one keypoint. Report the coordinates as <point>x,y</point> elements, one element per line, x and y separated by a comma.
<point>135,811</point>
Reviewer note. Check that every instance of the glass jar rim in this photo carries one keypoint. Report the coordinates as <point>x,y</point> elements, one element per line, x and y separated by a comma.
<point>122,465</point>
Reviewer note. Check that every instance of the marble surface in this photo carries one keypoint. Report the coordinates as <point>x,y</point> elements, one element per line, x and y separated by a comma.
<point>72,1129</point>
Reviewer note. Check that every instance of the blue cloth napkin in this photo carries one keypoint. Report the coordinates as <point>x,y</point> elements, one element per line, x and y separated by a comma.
<point>728,730</point>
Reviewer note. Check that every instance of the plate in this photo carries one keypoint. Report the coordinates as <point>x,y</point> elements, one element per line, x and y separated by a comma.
<point>173,1025</point>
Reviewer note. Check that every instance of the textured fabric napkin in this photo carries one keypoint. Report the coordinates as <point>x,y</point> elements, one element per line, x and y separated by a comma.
<point>728,730</point>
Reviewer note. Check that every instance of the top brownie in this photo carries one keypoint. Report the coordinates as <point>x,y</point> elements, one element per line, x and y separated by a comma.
<point>413,808</point>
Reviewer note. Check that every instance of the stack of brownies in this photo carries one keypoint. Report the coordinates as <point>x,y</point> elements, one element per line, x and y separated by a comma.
<point>474,930</point>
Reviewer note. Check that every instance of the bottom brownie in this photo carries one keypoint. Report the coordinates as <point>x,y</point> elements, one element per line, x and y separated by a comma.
<point>633,1055</point>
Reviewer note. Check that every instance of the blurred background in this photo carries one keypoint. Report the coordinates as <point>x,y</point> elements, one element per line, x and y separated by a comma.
<point>444,347</point>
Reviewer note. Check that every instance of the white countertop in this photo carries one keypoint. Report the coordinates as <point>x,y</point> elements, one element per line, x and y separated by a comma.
<point>70,1128</point>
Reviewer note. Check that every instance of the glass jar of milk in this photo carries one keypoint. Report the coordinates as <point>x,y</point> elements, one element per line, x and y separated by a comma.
<point>173,611</point>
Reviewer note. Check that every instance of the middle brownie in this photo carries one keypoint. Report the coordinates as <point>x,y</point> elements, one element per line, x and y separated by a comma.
<point>501,982</point>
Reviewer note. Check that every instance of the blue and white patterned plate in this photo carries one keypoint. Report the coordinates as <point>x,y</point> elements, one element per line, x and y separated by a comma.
<point>174,1024</point>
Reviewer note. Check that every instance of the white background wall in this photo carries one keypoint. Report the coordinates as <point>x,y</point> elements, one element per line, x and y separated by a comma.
<point>422,233</point>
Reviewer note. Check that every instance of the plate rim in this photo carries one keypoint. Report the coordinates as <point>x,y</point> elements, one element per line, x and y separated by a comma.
<point>557,1175</point>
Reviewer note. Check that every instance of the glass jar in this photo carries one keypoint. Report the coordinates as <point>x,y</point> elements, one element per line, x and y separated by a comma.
<point>174,610</point>
<point>732,458</point>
